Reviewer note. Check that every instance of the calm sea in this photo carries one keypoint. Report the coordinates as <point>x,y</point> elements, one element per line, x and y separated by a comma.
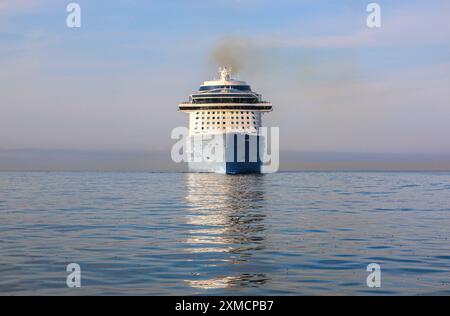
<point>194,234</point>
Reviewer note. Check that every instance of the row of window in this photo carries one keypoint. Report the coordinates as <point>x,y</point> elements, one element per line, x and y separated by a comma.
<point>223,112</point>
<point>223,127</point>
<point>241,88</point>
<point>224,117</point>
<point>225,100</point>
<point>218,123</point>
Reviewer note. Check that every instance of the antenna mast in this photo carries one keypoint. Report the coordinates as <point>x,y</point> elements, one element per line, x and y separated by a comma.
<point>225,73</point>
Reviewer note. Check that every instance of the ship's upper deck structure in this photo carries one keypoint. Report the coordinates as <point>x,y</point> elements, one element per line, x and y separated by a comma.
<point>223,105</point>
<point>225,93</point>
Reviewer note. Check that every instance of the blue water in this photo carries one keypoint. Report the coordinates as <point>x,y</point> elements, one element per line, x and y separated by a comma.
<point>191,234</point>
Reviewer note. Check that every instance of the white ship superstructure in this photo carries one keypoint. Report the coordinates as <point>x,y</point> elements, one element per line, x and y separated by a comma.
<point>225,108</point>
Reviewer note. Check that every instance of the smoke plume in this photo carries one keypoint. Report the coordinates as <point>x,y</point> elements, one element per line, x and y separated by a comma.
<point>232,52</point>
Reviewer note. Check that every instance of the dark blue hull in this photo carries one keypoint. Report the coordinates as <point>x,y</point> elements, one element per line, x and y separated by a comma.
<point>243,167</point>
<point>247,166</point>
<point>232,160</point>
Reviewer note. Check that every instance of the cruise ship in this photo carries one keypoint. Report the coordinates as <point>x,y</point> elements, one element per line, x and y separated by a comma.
<point>225,117</point>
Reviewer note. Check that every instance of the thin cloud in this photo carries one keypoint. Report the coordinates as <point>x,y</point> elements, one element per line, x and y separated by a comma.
<point>415,26</point>
<point>22,6</point>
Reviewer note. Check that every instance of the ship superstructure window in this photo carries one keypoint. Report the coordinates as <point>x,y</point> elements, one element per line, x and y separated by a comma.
<point>235,87</point>
<point>211,99</point>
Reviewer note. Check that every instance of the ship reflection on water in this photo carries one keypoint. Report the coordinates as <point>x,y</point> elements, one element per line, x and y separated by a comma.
<point>226,231</point>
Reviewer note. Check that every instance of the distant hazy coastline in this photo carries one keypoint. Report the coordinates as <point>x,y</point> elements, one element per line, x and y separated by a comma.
<point>84,160</point>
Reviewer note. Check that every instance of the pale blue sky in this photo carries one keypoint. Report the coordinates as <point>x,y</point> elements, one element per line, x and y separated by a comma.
<point>115,83</point>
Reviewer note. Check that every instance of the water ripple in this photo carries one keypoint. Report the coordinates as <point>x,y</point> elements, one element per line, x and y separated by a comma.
<point>178,234</point>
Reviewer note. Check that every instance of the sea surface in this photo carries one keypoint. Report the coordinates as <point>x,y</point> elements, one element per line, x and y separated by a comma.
<point>301,233</point>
